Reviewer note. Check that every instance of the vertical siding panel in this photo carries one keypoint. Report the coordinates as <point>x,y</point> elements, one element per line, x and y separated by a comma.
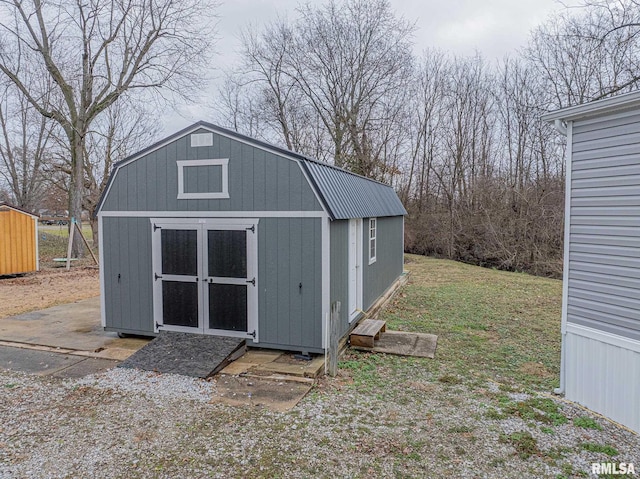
<point>283,281</point>
<point>308,200</point>
<point>263,281</point>
<point>296,276</point>
<point>127,251</point>
<point>259,178</point>
<point>142,182</point>
<point>270,283</point>
<point>271,182</point>
<point>15,266</point>
<point>113,288</point>
<point>310,315</point>
<point>144,274</point>
<point>247,163</point>
<point>317,289</point>
<point>171,169</point>
<point>295,187</point>
<point>339,265</point>
<point>162,188</point>
<point>283,185</point>
<point>20,243</point>
<point>4,242</point>
<point>152,180</point>
<point>31,246</point>
<point>601,376</point>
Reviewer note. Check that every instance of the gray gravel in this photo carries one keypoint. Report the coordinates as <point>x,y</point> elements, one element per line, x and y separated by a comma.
<point>129,423</point>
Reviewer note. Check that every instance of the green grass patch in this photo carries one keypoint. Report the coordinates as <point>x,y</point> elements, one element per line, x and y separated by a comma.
<point>492,324</point>
<point>54,240</point>
<point>538,409</point>
<point>602,448</point>
<point>586,423</point>
<point>524,443</point>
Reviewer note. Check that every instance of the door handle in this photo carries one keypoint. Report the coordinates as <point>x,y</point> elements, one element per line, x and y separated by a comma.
<point>252,281</point>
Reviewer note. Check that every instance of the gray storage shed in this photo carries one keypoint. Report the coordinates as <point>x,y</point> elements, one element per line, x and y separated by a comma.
<point>601,292</point>
<point>212,232</point>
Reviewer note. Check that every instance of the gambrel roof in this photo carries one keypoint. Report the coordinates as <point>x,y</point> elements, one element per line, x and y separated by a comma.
<point>344,194</point>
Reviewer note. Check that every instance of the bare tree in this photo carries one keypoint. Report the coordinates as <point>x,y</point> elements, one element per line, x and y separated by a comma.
<point>93,52</point>
<point>24,151</point>
<point>588,55</point>
<point>331,84</point>
<point>122,130</point>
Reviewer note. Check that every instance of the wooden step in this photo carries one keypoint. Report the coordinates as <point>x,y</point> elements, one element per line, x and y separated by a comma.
<point>367,332</point>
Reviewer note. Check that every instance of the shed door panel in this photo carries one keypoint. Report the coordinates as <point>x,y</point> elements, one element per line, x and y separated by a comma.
<point>231,253</point>
<point>178,290</point>
<point>205,276</point>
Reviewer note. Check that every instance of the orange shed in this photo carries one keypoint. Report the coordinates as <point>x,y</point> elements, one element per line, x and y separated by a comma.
<point>18,240</point>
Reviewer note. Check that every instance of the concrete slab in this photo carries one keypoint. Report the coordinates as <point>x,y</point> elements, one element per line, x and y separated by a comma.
<point>275,395</point>
<point>74,326</point>
<point>85,367</point>
<point>49,363</point>
<point>35,361</point>
<point>405,344</point>
<point>195,355</point>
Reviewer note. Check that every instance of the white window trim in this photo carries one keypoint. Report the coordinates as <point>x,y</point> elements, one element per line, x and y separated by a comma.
<point>374,238</point>
<point>223,162</point>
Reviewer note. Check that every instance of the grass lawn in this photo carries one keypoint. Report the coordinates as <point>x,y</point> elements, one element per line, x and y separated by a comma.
<point>490,324</point>
<point>53,241</point>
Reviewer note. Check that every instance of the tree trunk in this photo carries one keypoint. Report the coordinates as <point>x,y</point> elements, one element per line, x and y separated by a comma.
<point>94,230</point>
<point>76,191</point>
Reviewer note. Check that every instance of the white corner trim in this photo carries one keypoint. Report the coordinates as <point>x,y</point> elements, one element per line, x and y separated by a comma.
<point>103,301</point>
<point>604,337</point>
<point>326,282</point>
<point>35,221</point>
<point>565,259</point>
<point>222,194</point>
<point>567,225</point>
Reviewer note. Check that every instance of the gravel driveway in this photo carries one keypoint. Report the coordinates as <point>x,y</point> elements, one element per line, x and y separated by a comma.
<point>388,418</point>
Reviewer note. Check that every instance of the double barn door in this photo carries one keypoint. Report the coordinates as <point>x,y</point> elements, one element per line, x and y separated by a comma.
<point>205,276</point>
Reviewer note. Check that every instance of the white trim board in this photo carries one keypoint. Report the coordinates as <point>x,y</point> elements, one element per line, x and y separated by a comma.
<point>213,214</point>
<point>604,337</point>
<point>103,300</point>
<point>600,107</point>
<point>223,163</point>
<point>565,266</point>
<point>326,278</point>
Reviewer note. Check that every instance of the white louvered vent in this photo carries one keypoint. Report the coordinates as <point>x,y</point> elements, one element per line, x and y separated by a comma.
<point>201,139</point>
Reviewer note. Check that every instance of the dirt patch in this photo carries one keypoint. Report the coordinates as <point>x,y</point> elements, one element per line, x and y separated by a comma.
<point>45,288</point>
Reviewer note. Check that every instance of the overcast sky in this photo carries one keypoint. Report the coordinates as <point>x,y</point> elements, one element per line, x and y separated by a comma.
<point>494,28</point>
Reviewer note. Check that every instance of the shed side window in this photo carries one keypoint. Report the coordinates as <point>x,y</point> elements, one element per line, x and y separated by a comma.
<point>373,227</point>
<point>203,179</point>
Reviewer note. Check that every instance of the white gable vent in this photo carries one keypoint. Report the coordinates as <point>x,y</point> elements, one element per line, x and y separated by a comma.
<point>201,139</point>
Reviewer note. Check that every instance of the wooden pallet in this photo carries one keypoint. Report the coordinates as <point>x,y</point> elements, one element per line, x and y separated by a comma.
<point>366,333</point>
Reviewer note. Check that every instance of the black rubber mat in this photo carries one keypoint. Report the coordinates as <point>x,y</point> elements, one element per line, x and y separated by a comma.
<point>195,355</point>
